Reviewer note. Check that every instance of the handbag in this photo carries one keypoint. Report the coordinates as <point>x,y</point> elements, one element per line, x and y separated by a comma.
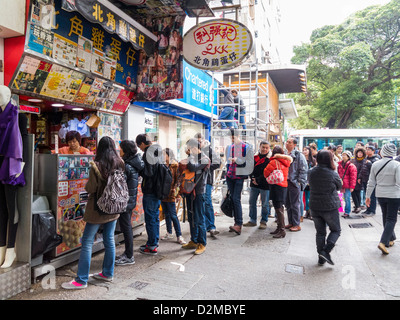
<point>276,176</point>
<point>227,205</point>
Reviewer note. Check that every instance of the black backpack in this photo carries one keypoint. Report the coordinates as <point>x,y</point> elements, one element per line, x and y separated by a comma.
<point>164,181</point>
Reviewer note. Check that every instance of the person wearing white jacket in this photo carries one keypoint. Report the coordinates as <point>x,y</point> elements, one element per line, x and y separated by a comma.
<point>385,179</point>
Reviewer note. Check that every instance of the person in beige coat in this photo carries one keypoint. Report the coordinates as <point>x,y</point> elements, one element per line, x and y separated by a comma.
<point>106,161</point>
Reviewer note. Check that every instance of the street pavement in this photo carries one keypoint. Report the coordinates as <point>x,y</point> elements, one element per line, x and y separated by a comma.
<point>250,266</point>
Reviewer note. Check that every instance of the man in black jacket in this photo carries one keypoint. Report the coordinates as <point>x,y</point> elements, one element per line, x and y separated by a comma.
<point>151,204</point>
<point>259,186</point>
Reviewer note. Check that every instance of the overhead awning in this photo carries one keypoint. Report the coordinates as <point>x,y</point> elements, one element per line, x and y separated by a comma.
<point>288,108</point>
<point>286,78</point>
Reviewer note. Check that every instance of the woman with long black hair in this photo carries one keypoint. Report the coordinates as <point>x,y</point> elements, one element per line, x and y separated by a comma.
<point>107,160</point>
<point>324,204</point>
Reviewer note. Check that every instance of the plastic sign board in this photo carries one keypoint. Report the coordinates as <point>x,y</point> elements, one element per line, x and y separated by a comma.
<point>217,45</point>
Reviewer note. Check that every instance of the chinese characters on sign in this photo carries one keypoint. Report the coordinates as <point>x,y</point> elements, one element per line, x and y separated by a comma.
<point>217,44</point>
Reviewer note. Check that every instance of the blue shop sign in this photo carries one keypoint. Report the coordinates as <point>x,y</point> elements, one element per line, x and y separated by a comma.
<point>198,91</point>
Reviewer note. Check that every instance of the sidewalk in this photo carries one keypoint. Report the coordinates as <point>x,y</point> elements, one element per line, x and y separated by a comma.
<point>252,266</point>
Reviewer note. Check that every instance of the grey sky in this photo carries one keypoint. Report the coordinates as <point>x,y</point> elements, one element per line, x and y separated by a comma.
<point>300,18</point>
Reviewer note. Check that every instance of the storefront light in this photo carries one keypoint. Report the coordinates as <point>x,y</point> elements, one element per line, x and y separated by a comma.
<point>57,105</point>
<point>77,109</point>
<point>35,100</point>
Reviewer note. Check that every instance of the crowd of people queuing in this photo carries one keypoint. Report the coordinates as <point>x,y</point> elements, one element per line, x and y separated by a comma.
<point>308,184</point>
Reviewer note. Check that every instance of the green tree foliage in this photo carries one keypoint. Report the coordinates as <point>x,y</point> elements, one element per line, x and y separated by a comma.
<point>351,71</point>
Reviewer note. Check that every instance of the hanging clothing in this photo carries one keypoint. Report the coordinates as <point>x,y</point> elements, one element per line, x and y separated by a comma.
<point>11,147</point>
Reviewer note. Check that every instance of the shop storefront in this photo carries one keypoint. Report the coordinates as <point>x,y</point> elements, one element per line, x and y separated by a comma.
<point>78,68</point>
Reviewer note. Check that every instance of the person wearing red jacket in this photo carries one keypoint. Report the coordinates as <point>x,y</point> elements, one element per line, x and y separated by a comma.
<point>277,192</point>
<point>348,173</point>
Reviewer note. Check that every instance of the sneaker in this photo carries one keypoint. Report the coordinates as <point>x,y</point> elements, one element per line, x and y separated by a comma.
<point>326,256</point>
<point>346,215</point>
<point>249,224</point>
<point>100,276</point>
<point>147,250</point>
<point>367,213</point>
<point>190,245</point>
<point>180,240</point>
<point>263,225</point>
<point>73,285</point>
<point>124,261</point>
<point>213,233</point>
<point>168,236</point>
<point>321,261</point>
<point>200,249</point>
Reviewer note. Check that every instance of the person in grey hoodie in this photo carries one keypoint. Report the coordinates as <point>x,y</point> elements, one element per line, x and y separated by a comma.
<point>385,180</point>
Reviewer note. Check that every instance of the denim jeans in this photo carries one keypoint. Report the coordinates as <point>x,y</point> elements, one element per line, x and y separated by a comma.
<point>307,198</point>
<point>86,250</point>
<point>151,206</point>
<point>265,210</point>
<point>209,209</point>
<point>301,203</point>
<point>389,208</point>
<point>235,187</point>
<point>169,210</point>
<point>227,114</point>
<point>347,200</point>
<point>322,219</point>
<point>197,225</point>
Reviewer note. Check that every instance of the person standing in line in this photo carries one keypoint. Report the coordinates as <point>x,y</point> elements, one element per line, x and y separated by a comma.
<point>339,151</point>
<point>362,176</point>
<point>133,165</point>
<point>259,187</point>
<point>215,164</point>
<point>240,164</point>
<point>106,161</point>
<point>372,158</point>
<point>348,173</point>
<point>324,204</point>
<point>278,192</point>
<point>311,162</point>
<point>199,163</point>
<point>385,180</point>
<point>168,204</point>
<point>297,180</point>
<point>152,154</point>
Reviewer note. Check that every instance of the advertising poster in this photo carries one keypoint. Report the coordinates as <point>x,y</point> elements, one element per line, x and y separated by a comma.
<point>73,172</point>
<point>56,85</point>
<point>64,50</point>
<point>84,90</point>
<point>84,54</point>
<point>94,91</point>
<point>40,40</point>
<point>98,62</point>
